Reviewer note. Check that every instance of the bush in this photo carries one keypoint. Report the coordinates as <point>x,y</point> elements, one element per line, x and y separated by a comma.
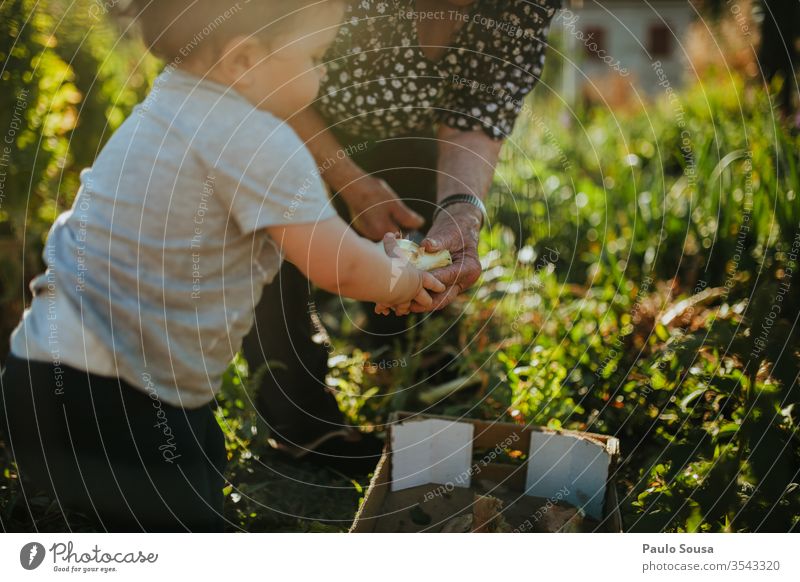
<point>69,80</point>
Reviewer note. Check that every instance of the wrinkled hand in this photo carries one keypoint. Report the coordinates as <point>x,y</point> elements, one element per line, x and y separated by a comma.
<point>456,229</point>
<point>376,209</point>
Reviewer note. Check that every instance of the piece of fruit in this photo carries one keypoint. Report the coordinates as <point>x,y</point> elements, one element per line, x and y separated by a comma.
<point>419,257</point>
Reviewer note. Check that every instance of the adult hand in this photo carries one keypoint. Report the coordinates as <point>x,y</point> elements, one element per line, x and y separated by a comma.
<point>376,209</point>
<point>456,229</point>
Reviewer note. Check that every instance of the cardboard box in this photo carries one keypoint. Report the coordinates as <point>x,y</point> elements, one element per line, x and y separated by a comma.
<point>433,466</point>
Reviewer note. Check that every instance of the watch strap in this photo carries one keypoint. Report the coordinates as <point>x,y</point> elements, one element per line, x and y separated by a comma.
<point>463,199</point>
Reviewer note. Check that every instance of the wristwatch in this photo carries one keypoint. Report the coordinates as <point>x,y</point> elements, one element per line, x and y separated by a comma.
<point>463,199</point>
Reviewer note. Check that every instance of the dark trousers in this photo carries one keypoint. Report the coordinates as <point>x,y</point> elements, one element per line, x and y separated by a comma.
<point>120,457</point>
<point>292,397</point>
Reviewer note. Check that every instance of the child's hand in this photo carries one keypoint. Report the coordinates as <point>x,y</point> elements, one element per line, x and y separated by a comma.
<point>429,283</point>
<point>422,300</point>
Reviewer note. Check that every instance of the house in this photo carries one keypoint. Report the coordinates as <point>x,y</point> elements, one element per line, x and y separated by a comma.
<point>613,49</point>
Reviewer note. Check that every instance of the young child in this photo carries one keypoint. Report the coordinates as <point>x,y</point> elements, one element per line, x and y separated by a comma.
<point>153,274</point>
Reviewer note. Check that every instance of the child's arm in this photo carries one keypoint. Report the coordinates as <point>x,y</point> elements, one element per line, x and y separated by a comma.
<point>335,258</point>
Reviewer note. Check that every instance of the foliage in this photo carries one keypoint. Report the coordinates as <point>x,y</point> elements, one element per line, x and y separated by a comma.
<point>69,79</point>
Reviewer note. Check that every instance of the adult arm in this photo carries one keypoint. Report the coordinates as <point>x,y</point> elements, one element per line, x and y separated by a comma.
<point>374,207</point>
<point>467,161</point>
<point>478,117</point>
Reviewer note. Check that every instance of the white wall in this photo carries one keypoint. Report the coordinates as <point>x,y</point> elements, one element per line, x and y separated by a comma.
<point>627,25</point>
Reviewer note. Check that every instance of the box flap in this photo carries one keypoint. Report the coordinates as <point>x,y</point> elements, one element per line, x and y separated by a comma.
<point>431,451</point>
<point>570,468</point>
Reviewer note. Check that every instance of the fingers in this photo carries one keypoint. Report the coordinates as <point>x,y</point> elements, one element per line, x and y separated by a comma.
<point>373,228</point>
<point>449,237</point>
<point>447,275</point>
<point>438,301</point>
<point>433,245</point>
<point>453,235</point>
<point>382,309</point>
<point>457,277</point>
<point>423,299</point>
<point>389,242</point>
<point>432,283</point>
<point>403,309</point>
<point>405,217</point>
<point>399,212</point>
<point>392,249</point>
<point>376,209</point>
<point>422,302</point>
<point>464,271</point>
<point>394,213</point>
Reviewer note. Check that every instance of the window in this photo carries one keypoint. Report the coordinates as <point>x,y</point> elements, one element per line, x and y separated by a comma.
<point>659,43</point>
<point>594,40</point>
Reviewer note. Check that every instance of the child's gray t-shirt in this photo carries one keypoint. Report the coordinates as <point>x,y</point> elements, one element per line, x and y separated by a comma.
<point>154,273</point>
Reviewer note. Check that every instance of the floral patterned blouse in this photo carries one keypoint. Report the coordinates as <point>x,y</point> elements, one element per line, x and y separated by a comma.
<point>380,84</point>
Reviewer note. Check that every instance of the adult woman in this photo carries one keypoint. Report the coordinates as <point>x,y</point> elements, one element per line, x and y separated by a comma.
<point>420,95</point>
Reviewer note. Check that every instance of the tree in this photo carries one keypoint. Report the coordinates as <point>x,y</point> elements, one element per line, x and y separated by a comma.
<point>778,54</point>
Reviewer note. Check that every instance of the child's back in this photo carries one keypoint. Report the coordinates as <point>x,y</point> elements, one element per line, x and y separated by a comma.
<point>165,252</point>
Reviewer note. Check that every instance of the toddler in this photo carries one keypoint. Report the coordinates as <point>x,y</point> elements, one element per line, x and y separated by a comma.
<point>153,274</point>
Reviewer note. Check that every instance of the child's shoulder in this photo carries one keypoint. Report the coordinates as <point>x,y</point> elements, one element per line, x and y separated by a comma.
<point>214,118</point>
<point>257,137</point>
